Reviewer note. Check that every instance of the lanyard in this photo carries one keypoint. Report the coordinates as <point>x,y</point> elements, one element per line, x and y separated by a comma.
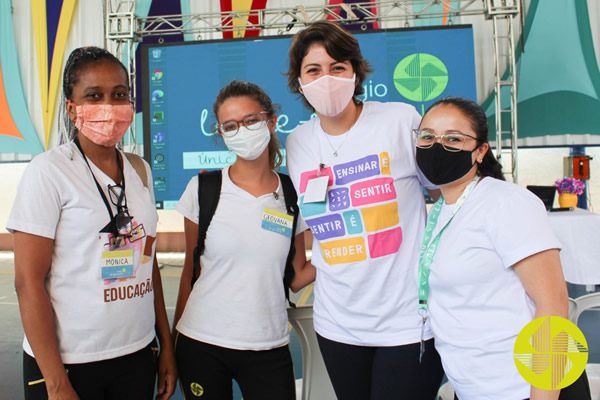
<point>108,207</point>
<point>429,248</point>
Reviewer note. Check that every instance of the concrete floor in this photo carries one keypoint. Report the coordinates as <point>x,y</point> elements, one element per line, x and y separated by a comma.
<point>11,336</point>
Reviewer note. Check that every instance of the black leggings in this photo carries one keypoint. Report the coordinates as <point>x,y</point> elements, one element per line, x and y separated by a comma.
<point>378,373</point>
<point>206,370</point>
<point>128,377</point>
<point>578,390</point>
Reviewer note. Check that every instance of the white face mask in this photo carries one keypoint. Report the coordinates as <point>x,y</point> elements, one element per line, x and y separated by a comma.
<point>249,143</point>
<point>329,95</point>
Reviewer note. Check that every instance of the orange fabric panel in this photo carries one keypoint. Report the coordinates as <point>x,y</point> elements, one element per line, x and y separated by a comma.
<point>7,124</point>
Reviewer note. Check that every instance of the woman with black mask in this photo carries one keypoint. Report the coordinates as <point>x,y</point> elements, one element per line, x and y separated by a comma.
<point>489,262</point>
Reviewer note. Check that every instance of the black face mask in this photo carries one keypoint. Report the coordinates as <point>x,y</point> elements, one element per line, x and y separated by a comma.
<point>441,166</point>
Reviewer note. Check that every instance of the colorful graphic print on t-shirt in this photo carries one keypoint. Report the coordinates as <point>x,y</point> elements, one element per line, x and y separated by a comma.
<point>359,218</point>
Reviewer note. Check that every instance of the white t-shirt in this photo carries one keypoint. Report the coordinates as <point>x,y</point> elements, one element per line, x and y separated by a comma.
<point>96,318</point>
<point>369,230</point>
<point>477,303</point>
<point>238,301</point>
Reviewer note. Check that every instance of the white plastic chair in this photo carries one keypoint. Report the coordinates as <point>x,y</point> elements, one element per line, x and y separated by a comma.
<point>315,380</point>
<point>572,310</point>
<point>446,392</point>
<point>583,303</point>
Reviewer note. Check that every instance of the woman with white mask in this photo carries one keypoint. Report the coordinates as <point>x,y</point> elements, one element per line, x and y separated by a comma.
<point>361,194</point>
<point>232,323</point>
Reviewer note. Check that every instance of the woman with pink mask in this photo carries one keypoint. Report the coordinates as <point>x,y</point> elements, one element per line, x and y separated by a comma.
<point>86,275</point>
<point>361,193</point>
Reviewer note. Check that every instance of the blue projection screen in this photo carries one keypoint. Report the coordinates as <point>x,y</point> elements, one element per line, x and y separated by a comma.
<point>182,80</point>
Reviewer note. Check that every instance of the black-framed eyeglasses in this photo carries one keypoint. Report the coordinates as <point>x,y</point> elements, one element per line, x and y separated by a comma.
<point>253,121</point>
<point>122,219</point>
<point>454,141</point>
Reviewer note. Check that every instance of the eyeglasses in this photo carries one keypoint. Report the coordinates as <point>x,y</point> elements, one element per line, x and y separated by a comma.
<point>122,219</point>
<point>454,141</point>
<point>251,121</point>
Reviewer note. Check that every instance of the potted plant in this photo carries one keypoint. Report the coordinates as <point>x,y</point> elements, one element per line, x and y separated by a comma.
<point>568,190</point>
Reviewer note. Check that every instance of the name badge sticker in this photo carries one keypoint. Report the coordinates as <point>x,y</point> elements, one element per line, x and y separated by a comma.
<point>277,222</point>
<point>316,189</point>
<point>117,264</point>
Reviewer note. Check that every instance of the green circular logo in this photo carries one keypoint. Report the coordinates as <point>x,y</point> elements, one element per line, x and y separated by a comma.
<point>420,77</point>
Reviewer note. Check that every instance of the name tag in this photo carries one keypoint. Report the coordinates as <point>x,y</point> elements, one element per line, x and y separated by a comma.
<point>117,264</point>
<point>316,189</point>
<point>277,222</point>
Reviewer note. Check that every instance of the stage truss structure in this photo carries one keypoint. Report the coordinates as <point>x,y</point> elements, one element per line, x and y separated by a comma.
<point>123,30</point>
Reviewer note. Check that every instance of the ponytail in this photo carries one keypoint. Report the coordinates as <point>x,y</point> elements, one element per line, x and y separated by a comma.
<point>490,167</point>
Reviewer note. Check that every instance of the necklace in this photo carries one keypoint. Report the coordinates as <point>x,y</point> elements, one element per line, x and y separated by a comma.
<point>336,150</point>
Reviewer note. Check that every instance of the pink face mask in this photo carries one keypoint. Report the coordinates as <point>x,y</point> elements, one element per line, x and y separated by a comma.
<point>329,95</point>
<point>104,124</point>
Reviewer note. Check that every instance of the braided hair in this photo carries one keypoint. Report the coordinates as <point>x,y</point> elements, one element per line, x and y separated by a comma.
<point>78,60</point>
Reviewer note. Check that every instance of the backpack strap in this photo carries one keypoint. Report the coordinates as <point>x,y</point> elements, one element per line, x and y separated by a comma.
<point>138,164</point>
<point>209,192</point>
<point>291,205</point>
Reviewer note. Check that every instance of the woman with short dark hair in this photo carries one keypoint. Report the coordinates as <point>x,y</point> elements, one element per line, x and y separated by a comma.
<point>361,194</point>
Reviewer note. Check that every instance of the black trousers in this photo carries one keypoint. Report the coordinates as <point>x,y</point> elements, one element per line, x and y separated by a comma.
<point>132,376</point>
<point>382,373</point>
<point>578,390</point>
<point>206,371</point>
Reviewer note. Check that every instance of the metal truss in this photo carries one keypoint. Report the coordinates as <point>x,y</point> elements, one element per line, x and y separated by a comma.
<point>120,25</point>
<point>123,29</point>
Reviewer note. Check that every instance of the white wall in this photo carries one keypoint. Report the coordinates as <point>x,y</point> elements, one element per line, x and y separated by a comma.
<point>536,167</point>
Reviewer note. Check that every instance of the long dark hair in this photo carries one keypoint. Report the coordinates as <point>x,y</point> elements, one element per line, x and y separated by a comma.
<point>489,165</point>
<point>78,60</point>
<point>248,89</point>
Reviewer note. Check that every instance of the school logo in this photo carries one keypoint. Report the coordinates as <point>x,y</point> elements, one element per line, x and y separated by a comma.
<point>551,353</point>
<point>196,389</point>
<point>420,77</point>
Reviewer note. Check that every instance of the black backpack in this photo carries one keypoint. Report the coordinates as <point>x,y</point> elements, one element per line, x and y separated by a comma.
<point>209,192</point>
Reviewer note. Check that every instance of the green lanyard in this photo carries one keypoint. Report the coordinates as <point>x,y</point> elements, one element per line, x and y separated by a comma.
<point>429,248</point>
